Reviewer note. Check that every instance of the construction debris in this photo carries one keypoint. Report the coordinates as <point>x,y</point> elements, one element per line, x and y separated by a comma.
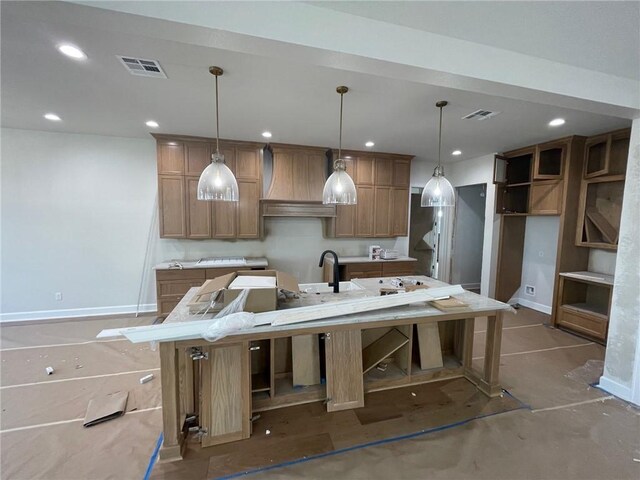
<point>49,370</point>
<point>146,378</point>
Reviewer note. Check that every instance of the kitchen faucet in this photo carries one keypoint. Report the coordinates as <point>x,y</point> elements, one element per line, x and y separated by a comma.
<point>336,270</point>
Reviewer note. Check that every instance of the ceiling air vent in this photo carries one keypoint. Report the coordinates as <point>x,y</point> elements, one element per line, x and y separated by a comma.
<point>142,67</point>
<point>480,115</point>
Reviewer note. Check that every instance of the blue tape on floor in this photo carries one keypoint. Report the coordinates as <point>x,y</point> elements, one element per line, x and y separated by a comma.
<point>373,444</point>
<point>154,456</point>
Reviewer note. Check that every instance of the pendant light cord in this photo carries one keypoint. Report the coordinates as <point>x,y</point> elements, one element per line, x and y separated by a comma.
<point>440,143</point>
<point>218,121</point>
<point>340,141</point>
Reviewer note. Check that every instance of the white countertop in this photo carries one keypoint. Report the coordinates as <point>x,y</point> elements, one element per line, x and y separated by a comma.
<point>592,277</point>
<point>249,262</point>
<point>343,260</point>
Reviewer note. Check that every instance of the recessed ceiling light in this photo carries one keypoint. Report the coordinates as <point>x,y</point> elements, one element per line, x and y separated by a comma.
<point>456,152</point>
<point>267,134</point>
<point>369,144</point>
<point>52,116</point>
<point>173,144</point>
<point>152,124</point>
<point>347,156</point>
<point>556,122</point>
<point>71,51</point>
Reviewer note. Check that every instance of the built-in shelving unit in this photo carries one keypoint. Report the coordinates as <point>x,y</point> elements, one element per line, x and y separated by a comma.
<point>585,302</point>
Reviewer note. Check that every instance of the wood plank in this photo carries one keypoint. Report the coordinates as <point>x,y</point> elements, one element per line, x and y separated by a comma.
<point>345,385</point>
<point>601,223</point>
<point>382,348</point>
<point>226,393</point>
<point>305,351</point>
<point>429,346</point>
<point>170,401</point>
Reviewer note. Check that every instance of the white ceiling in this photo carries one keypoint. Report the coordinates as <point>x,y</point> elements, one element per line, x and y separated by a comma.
<point>293,99</point>
<point>600,36</point>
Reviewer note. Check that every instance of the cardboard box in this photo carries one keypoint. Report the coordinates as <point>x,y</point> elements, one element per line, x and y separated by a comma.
<point>261,298</point>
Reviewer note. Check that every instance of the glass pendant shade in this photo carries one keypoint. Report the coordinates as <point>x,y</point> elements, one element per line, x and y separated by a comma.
<point>339,189</point>
<point>217,182</point>
<point>438,192</point>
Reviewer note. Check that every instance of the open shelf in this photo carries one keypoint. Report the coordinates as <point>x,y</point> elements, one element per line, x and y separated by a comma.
<point>599,220</point>
<point>619,153</point>
<point>392,372</point>
<point>513,199</point>
<point>519,169</point>
<point>595,156</point>
<point>584,307</point>
<point>588,308</point>
<point>450,363</point>
<point>260,382</point>
<point>382,348</point>
<point>260,365</point>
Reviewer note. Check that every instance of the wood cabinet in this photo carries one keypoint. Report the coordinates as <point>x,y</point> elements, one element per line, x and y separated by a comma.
<point>584,305</point>
<point>171,202</point>
<point>548,162</point>
<point>181,160</point>
<point>546,198</point>
<point>602,189</point>
<point>172,285</point>
<point>345,388</point>
<point>382,184</point>
<point>225,409</point>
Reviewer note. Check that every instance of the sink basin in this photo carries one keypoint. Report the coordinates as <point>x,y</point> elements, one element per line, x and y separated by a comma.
<point>324,288</point>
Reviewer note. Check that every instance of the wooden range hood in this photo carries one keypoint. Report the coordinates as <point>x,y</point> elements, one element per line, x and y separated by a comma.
<point>298,174</point>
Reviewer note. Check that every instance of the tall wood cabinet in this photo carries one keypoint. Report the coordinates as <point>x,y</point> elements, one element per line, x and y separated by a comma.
<point>382,185</point>
<point>181,160</point>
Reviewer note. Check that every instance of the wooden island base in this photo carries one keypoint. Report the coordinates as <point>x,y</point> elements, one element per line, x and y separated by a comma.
<point>240,375</point>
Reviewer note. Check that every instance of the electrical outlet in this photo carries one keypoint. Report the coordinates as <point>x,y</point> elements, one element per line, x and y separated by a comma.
<point>59,296</point>
<point>530,290</point>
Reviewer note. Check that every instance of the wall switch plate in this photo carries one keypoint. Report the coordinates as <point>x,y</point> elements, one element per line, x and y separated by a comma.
<point>530,290</point>
<point>59,296</point>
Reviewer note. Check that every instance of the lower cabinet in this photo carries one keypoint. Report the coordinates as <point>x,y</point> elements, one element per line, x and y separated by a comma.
<point>225,409</point>
<point>228,384</point>
<point>345,388</point>
<point>172,285</point>
<point>350,271</point>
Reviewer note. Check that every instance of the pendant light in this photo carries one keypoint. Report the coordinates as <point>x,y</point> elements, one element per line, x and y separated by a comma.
<point>339,188</point>
<point>438,191</point>
<point>217,181</point>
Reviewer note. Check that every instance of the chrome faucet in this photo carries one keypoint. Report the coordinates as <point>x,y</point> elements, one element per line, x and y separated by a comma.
<point>336,270</point>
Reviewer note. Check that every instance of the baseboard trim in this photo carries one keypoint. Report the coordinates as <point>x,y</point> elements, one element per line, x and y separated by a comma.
<point>615,388</point>
<point>533,305</point>
<point>76,312</point>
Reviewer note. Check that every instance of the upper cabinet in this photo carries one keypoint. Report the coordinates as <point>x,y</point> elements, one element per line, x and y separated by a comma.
<point>382,184</point>
<point>181,160</point>
<point>602,188</point>
<point>530,180</point>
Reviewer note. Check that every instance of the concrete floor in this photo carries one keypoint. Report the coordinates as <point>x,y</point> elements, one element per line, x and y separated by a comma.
<point>571,430</point>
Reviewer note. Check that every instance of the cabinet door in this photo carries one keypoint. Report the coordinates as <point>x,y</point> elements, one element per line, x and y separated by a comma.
<point>548,162</point>
<point>345,386</point>
<point>225,409</point>
<point>170,158</point>
<point>384,172</point>
<point>197,157</point>
<point>249,210</point>
<point>364,211</point>
<point>224,219</point>
<point>401,173</point>
<point>382,212</point>
<point>400,212</point>
<point>364,171</point>
<point>345,221</point>
<point>171,199</point>
<point>247,163</point>
<point>546,198</point>
<point>198,214</point>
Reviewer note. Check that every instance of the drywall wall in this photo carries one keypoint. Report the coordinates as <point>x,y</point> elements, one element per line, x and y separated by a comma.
<point>622,359</point>
<point>77,212</point>
<point>468,240</point>
<point>602,261</point>
<point>539,262</point>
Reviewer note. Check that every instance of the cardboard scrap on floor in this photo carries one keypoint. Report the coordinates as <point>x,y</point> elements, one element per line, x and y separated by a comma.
<point>105,408</point>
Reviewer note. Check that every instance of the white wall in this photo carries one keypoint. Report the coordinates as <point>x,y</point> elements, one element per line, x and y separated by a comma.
<point>602,261</point>
<point>76,217</point>
<point>622,360</point>
<point>539,262</point>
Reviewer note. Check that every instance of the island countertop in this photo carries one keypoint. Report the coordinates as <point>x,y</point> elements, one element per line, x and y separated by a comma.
<point>364,259</point>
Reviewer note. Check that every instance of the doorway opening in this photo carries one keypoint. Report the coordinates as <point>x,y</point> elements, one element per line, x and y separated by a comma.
<point>468,236</point>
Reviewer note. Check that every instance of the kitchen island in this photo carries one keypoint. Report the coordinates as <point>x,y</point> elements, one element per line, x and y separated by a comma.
<point>224,383</point>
